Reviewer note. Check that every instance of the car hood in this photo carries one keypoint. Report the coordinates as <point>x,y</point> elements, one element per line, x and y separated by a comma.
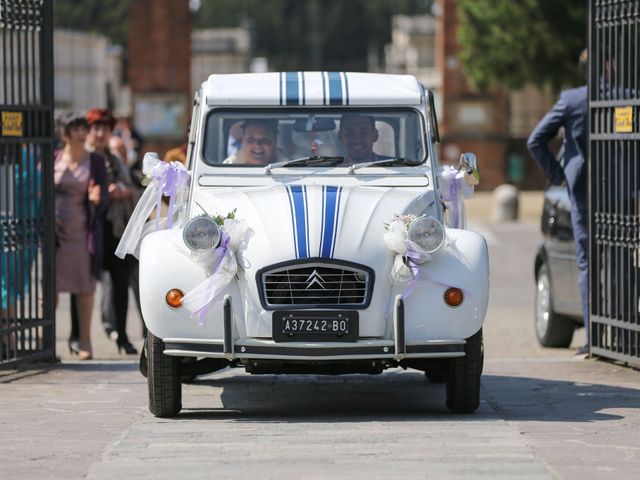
<point>316,221</point>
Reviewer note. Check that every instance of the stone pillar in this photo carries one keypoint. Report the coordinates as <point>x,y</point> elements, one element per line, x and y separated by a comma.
<point>159,70</point>
<point>470,120</point>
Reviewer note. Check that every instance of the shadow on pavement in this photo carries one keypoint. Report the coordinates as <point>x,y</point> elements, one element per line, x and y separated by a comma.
<point>526,398</point>
<point>402,396</point>
<point>386,397</point>
<point>36,369</point>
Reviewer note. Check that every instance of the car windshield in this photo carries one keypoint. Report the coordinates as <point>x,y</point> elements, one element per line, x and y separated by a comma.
<point>314,138</point>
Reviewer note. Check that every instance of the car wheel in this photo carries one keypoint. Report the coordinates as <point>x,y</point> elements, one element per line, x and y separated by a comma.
<point>552,330</point>
<point>463,380</point>
<point>163,379</point>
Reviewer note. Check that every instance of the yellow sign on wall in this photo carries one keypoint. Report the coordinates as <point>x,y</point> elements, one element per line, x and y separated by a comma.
<point>624,120</point>
<point>12,124</point>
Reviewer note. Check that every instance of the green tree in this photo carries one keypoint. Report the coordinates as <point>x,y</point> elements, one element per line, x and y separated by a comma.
<point>526,41</point>
<point>283,28</point>
<point>106,17</point>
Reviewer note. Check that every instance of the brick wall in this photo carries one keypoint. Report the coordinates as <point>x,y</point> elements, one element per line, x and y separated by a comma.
<point>475,121</point>
<point>160,54</point>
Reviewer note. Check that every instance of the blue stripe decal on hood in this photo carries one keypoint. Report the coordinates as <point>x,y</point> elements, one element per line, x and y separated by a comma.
<point>330,211</point>
<point>293,97</point>
<point>307,251</point>
<point>300,219</point>
<point>293,221</point>
<point>336,222</point>
<point>335,88</point>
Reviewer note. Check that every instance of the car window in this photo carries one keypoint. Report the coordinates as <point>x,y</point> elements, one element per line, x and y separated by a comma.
<point>242,138</point>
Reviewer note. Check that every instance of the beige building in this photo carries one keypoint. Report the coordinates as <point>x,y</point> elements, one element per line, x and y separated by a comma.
<point>219,50</point>
<point>87,71</point>
<point>413,49</point>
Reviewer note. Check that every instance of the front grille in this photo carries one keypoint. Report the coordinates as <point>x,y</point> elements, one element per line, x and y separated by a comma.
<point>317,284</point>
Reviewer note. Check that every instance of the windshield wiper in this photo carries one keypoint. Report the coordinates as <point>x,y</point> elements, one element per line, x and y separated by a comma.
<point>312,160</point>
<point>388,161</point>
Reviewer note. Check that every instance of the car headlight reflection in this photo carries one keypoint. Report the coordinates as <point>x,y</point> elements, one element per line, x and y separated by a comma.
<point>427,233</point>
<point>201,233</point>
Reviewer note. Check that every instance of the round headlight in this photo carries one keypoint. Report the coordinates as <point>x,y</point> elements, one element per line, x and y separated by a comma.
<point>201,233</point>
<point>427,233</point>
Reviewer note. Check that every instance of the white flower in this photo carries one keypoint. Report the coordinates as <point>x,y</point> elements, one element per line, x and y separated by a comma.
<point>239,233</point>
<point>395,237</point>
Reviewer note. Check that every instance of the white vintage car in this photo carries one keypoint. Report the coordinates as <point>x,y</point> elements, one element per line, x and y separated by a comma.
<point>306,235</point>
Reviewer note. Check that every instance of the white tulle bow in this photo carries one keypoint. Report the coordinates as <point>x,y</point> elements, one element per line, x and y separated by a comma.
<point>221,265</point>
<point>169,179</point>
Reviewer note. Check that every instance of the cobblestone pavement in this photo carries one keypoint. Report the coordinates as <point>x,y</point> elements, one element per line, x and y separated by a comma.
<point>543,413</point>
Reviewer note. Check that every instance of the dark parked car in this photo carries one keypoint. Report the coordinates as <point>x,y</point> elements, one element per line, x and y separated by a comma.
<point>557,298</point>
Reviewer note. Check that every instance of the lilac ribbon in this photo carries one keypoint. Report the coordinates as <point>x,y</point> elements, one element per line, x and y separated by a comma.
<point>412,257</point>
<point>451,196</point>
<point>176,177</point>
<point>455,185</point>
<point>221,251</point>
<point>169,178</point>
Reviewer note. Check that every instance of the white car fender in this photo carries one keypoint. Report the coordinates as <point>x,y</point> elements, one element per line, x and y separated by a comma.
<point>166,263</point>
<point>462,263</point>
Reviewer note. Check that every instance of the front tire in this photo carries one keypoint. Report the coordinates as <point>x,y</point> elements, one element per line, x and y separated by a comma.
<point>463,380</point>
<point>552,330</point>
<point>163,379</point>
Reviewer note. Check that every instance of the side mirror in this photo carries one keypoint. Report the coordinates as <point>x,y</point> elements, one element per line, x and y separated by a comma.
<point>469,165</point>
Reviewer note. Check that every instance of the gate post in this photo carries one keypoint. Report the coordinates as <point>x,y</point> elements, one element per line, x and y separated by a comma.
<point>614,179</point>
<point>27,274</point>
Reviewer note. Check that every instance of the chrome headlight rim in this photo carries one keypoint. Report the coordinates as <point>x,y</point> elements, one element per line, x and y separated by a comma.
<point>191,224</point>
<point>436,222</point>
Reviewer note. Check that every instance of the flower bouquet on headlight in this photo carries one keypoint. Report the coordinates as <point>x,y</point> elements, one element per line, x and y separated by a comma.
<point>414,240</point>
<point>216,243</point>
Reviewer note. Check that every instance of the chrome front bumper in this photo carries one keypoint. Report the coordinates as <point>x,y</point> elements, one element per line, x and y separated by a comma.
<point>252,348</point>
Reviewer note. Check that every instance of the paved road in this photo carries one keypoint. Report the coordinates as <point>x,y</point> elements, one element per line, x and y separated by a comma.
<point>543,414</point>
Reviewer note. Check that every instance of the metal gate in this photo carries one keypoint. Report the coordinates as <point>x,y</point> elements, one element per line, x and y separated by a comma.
<point>614,172</point>
<point>27,326</point>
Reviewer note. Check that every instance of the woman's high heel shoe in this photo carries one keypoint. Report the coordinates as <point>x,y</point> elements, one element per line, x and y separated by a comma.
<point>74,346</point>
<point>128,348</point>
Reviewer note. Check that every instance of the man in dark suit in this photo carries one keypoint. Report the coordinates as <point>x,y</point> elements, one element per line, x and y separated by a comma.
<point>570,113</point>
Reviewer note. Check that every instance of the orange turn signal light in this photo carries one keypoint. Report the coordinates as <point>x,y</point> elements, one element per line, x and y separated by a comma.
<point>174,298</point>
<point>453,297</point>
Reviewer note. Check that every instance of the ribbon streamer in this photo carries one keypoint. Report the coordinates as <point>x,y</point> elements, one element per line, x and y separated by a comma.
<point>454,188</point>
<point>168,179</point>
<point>198,300</point>
<point>414,257</point>
<point>224,267</point>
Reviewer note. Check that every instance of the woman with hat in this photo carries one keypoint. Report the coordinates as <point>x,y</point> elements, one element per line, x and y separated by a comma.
<point>81,198</point>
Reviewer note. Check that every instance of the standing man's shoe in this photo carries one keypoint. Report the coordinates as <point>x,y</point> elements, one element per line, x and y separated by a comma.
<point>583,351</point>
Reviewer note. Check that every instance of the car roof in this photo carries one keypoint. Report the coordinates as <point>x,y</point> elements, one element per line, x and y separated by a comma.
<point>312,89</point>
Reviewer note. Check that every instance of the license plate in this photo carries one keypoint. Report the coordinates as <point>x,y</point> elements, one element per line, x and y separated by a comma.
<point>324,326</point>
